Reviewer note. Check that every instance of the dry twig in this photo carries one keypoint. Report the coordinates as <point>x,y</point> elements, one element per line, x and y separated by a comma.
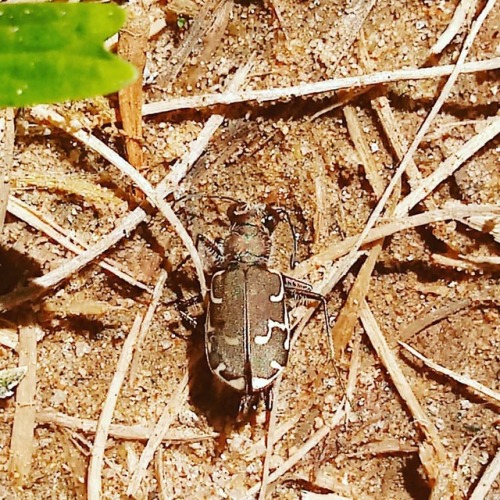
<point>487,479</point>
<point>312,442</point>
<point>177,173</point>
<point>102,430</point>
<point>7,140</point>
<point>136,432</point>
<point>23,430</point>
<point>432,317</point>
<point>132,45</point>
<point>146,323</point>
<point>44,113</point>
<point>32,217</point>
<point>204,100</point>
<point>338,249</point>
<point>421,133</point>
<point>169,413</point>
<point>463,379</point>
<point>459,17</point>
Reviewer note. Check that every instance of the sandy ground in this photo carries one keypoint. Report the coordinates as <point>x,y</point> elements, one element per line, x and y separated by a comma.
<point>404,430</point>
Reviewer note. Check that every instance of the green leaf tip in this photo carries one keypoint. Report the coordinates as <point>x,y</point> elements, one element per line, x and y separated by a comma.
<point>52,52</point>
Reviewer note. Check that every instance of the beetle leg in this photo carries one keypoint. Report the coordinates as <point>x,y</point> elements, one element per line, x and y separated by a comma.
<point>248,405</point>
<point>304,290</point>
<point>183,305</point>
<point>212,251</point>
<point>293,285</point>
<point>269,398</point>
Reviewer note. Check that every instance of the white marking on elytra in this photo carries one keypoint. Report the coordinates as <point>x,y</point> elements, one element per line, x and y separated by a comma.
<point>259,383</point>
<point>286,344</point>
<point>276,365</point>
<point>213,298</point>
<point>264,339</point>
<point>237,383</point>
<point>281,294</point>
<point>231,340</point>
<point>220,367</point>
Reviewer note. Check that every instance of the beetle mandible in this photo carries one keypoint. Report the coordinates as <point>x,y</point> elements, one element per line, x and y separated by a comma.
<point>247,331</point>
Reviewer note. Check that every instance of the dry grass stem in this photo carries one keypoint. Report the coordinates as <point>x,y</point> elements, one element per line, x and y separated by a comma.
<point>73,184</point>
<point>60,235</point>
<point>7,142</point>
<point>336,273</point>
<point>146,323</point>
<point>171,217</point>
<point>387,446</point>
<point>429,318</point>
<point>456,23</point>
<point>197,30</point>
<point>320,197</point>
<point>486,260</point>
<point>360,142</point>
<point>360,70</point>
<point>181,167</point>
<point>311,443</point>
<point>155,27</point>
<point>104,423</point>
<point>463,379</point>
<point>352,378</point>
<point>164,492</point>
<point>170,412</point>
<point>490,225</point>
<point>459,264</point>
<point>259,447</point>
<point>271,438</point>
<point>453,211</point>
<point>306,89</point>
<point>434,460</point>
<point>450,165</point>
<point>309,495</point>
<point>487,479</point>
<point>396,139</point>
<point>76,130</point>
<point>348,316</point>
<point>127,432</point>
<point>23,429</point>
<point>348,31</point>
<point>38,286</point>
<point>213,37</point>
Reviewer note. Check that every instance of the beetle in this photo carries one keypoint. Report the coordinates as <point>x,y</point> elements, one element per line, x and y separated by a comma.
<point>247,329</point>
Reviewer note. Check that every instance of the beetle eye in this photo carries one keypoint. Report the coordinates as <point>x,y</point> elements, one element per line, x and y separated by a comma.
<point>269,221</point>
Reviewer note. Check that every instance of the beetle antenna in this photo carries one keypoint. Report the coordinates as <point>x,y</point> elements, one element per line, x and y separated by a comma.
<point>209,196</point>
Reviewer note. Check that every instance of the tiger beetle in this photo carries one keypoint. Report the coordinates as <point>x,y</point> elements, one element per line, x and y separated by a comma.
<point>247,330</point>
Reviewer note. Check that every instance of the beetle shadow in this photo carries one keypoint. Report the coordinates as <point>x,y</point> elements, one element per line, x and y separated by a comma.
<point>17,270</point>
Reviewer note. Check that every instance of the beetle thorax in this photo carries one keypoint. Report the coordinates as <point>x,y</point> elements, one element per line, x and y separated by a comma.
<point>248,244</point>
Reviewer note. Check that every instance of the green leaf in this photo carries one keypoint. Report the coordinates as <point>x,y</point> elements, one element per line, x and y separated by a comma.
<point>51,52</point>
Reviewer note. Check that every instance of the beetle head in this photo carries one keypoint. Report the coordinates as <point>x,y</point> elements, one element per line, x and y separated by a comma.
<point>259,215</point>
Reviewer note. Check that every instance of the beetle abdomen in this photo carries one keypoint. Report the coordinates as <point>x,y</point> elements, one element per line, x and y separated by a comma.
<point>247,333</point>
